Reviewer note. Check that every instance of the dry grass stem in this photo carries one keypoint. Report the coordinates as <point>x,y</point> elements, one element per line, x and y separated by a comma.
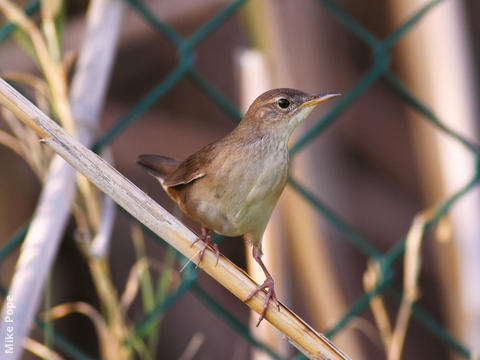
<point>193,346</point>
<point>17,127</point>
<point>132,284</point>
<point>52,69</point>
<point>393,339</point>
<point>133,281</point>
<point>24,142</point>
<point>113,347</point>
<point>50,9</point>
<point>69,58</point>
<point>371,278</point>
<point>412,265</point>
<point>152,215</point>
<point>80,307</point>
<point>14,144</point>
<point>108,344</point>
<point>40,350</point>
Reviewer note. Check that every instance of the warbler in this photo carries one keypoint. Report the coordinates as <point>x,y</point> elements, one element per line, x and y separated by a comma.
<point>231,186</point>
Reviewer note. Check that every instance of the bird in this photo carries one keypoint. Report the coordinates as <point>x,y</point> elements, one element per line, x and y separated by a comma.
<point>231,186</point>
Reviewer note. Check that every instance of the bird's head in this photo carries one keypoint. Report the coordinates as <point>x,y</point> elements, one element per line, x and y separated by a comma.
<point>283,109</point>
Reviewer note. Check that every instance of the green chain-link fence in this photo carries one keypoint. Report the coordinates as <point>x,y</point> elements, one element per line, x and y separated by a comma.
<point>186,68</point>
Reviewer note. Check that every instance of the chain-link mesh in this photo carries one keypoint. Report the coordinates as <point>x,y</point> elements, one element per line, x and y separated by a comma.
<point>186,68</point>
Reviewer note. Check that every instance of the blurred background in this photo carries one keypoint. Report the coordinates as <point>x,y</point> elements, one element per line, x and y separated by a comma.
<point>363,167</point>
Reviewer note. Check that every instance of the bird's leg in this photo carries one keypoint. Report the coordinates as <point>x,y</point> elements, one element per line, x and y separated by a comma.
<point>268,283</point>
<point>206,238</point>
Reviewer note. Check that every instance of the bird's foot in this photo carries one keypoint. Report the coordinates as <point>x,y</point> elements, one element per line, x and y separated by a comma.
<point>206,238</point>
<point>271,296</point>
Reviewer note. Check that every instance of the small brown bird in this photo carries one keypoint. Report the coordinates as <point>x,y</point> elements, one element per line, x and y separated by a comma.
<point>232,185</point>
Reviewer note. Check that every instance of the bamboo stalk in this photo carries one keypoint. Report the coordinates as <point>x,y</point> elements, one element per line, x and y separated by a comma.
<point>254,79</point>
<point>152,215</point>
<point>436,57</point>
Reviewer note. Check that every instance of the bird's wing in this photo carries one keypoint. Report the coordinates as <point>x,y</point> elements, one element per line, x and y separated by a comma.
<point>171,172</point>
<point>158,166</point>
<point>192,168</point>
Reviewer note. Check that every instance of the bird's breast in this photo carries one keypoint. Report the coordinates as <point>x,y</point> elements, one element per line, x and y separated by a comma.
<point>238,197</point>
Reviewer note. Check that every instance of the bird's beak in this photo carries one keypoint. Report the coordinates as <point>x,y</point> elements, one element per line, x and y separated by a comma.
<point>317,99</point>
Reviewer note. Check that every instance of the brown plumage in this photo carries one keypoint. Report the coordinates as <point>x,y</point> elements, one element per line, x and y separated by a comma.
<point>231,186</point>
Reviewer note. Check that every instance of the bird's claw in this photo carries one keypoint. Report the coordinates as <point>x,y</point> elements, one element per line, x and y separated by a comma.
<point>271,296</point>
<point>206,238</point>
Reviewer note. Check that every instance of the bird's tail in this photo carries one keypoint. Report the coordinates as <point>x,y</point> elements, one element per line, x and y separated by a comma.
<point>158,166</point>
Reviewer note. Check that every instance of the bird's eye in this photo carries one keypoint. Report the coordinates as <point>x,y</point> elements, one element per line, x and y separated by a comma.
<point>283,103</point>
